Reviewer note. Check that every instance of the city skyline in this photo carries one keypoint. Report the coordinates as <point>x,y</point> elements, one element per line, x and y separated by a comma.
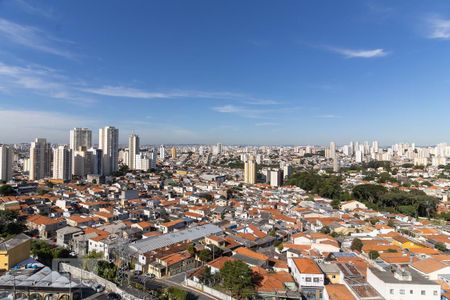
<point>250,73</point>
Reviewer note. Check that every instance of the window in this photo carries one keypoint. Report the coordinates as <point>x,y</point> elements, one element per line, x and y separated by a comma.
<point>316,279</point>
<point>411,292</point>
<point>435,293</point>
<point>308,279</point>
<point>422,292</point>
<point>402,292</point>
<point>334,276</point>
<point>391,291</point>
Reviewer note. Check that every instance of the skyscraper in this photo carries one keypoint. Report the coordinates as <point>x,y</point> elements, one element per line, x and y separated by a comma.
<point>109,144</point>
<point>40,158</point>
<point>250,170</point>
<point>333,150</point>
<point>133,150</point>
<point>276,177</point>
<point>173,152</point>
<point>80,137</point>
<point>62,163</point>
<point>162,152</point>
<point>6,162</point>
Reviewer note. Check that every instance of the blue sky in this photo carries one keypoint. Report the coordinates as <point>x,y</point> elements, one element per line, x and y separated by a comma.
<point>238,72</point>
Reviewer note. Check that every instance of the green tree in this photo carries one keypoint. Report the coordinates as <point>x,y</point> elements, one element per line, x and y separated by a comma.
<point>191,249</point>
<point>10,224</point>
<point>373,254</point>
<point>106,270</point>
<point>236,277</point>
<point>205,255</point>
<point>440,247</point>
<point>356,244</point>
<point>6,190</point>
<point>174,293</point>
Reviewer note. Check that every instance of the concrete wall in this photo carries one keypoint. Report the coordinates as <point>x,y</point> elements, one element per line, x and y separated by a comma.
<point>208,290</point>
<point>86,275</point>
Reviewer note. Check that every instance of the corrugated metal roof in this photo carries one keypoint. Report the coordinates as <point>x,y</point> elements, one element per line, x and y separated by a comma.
<point>190,234</point>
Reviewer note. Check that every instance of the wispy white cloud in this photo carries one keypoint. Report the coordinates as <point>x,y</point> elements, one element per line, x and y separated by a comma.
<point>29,8</point>
<point>42,81</point>
<point>128,92</point>
<point>32,124</point>
<point>266,124</point>
<point>438,28</point>
<point>328,116</point>
<point>251,112</point>
<point>34,38</point>
<point>354,53</point>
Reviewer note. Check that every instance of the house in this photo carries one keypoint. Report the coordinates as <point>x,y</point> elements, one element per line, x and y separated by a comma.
<point>143,226</point>
<point>250,257</point>
<point>337,292</point>
<point>64,235</point>
<point>45,226</point>
<point>352,205</point>
<point>307,275</point>
<point>172,264</point>
<point>332,272</point>
<point>217,264</point>
<point>431,268</point>
<point>172,225</point>
<point>14,251</point>
<point>403,283</point>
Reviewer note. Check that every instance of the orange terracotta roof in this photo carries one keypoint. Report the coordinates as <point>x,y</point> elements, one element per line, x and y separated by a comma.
<point>307,266</point>
<point>339,292</point>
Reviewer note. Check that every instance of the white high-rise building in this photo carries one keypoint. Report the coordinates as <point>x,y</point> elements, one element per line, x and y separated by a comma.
<point>62,163</point>
<point>162,152</point>
<point>40,158</point>
<point>80,137</point>
<point>276,177</point>
<point>332,150</point>
<point>109,144</point>
<point>250,171</point>
<point>6,163</point>
<point>133,150</point>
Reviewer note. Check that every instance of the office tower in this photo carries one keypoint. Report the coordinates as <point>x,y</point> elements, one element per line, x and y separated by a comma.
<point>266,174</point>
<point>200,150</point>
<point>162,152</point>
<point>359,156</point>
<point>62,163</point>
<point>95,161</point>
<point>332,150</point>
<point>276,177</point>
<point>143,162</point>
<point>109,144</point>
<point>375,147</point>
<point>80,137</point>
<point>219,148</point>
<point>133,150</point>
<point>174,153</point>
<point>40,158</point>
<point>6,163</point>
<point>250,171</point>
<point>287,170</point>
<point>153,159</point>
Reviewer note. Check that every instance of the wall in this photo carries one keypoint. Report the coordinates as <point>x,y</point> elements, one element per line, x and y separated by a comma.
<point>208,290</point>
<point>109,286</point>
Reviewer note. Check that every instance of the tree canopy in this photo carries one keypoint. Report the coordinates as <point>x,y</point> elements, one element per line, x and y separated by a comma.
<point>237,277</point>
<point>328,186</point>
